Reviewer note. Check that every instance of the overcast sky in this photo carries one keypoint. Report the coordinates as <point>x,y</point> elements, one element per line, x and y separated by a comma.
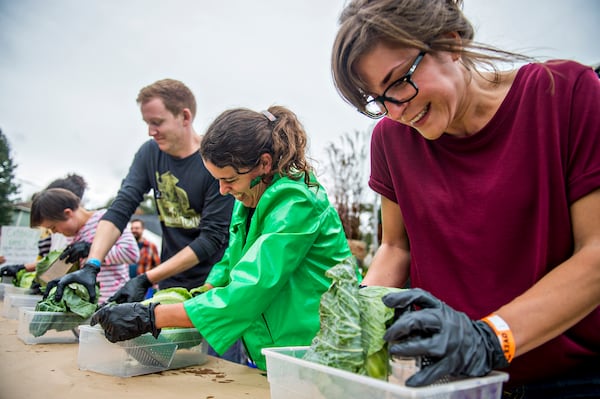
<point>70,70</point>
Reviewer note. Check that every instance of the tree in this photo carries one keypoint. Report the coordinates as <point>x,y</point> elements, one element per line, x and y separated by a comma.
<point>347,164</point>
<point>8,187</point>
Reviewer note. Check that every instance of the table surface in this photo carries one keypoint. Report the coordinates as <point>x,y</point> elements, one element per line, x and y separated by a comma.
<point>50,371</point>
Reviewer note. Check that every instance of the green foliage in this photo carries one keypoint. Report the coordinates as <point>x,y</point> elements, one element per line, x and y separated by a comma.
<point>347,166</point>
<point>8,187</point>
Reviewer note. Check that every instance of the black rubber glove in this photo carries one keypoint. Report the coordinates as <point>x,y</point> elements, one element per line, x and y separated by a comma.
<point>75,251</point>
<point>126,321</point>
<point>133,291</point>
<point>85,276</point>
<point>36,288</point>
<point>11,270</point>
<point>455,344</point>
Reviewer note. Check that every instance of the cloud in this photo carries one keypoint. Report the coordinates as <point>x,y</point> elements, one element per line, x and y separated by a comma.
<point>70,70</point>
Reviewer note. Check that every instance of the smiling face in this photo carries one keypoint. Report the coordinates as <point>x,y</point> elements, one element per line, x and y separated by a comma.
<point>239,185</point>
<point>435,108</point>
<point>168,130</point>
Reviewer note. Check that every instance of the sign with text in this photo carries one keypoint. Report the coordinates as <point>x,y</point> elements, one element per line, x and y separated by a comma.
<point>19,244</point>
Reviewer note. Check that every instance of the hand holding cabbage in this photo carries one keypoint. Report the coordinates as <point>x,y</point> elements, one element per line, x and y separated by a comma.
<point>126,321</point>
<point>455,344</point>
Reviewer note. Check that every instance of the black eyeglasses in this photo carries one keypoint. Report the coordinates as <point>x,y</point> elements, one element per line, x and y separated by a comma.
<point>398,92</point>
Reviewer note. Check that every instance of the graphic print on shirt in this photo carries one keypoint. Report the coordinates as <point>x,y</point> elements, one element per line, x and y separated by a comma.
<point>173,203</point>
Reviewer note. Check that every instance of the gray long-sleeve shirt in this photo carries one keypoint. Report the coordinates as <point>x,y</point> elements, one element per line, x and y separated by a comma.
<point>192,211</point>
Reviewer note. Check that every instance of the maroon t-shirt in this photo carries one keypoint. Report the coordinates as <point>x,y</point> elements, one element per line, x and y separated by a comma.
<point>488,215</point>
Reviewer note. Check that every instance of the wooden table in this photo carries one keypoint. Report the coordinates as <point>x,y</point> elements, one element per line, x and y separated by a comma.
<point>50,371</point>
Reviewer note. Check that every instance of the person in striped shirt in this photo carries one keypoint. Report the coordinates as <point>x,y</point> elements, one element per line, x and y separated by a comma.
<point>60,211</point>
<point>50,241</point>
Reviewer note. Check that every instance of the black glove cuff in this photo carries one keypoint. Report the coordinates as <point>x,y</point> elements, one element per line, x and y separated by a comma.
<point>91,267</point>
<point>496,359</point>
<point>145,280</point>
<point>155,331</point>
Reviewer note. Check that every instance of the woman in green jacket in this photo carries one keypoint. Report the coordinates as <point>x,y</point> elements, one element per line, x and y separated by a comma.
<point>284,235</point>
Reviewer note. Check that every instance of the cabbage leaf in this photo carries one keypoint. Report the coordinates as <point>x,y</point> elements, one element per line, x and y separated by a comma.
<point>75,301</point>
<point>184,339</point>
<point>353,322</point>
<point>169,296</point>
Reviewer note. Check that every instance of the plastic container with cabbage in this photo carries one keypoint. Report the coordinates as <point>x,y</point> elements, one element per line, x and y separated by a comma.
<point>353,321</point>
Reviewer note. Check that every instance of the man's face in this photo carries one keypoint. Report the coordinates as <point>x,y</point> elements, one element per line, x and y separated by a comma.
<point>165,128</point>
<point>137,230</point>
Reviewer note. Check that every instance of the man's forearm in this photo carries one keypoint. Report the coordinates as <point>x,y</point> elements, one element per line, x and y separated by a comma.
<point>106,236</point>
<point>180,262</point>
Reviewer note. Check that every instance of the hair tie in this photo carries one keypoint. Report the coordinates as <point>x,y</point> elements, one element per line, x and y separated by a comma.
<point>269,116</point>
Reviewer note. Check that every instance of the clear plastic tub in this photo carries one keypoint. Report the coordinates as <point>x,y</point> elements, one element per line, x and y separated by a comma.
<point>3,289</point>
<point>291,377</point>
<point>13,289</point>
<point>12,303</point>
<point>48,327</point>
<point>174,348</point>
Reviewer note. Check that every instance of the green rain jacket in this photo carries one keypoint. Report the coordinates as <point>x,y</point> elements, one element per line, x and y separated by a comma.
<point>270,280</point>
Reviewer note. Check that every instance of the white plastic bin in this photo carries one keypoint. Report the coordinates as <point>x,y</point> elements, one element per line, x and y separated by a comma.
<point>3,289</point>
<point>12,303</point>
<point>48,327</point>
<point>175,348</point>
<point>13,289</point>
<point>291,377</point>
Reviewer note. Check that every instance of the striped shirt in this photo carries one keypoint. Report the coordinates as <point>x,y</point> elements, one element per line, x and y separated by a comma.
<point>114,272</point>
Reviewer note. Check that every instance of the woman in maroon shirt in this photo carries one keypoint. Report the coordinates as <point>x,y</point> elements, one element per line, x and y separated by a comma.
<point>490,191</point>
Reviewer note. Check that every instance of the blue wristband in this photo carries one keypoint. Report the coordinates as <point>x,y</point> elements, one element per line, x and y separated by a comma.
<point>94,261</point>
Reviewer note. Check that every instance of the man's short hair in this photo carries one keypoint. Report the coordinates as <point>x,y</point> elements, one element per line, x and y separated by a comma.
<point>175,95</point>
<point>138,220</point>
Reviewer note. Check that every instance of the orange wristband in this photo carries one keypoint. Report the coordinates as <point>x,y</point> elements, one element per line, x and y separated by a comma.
<point>505,336</point>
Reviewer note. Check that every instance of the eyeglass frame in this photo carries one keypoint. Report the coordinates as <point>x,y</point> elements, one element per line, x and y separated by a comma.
<point>406,78</point>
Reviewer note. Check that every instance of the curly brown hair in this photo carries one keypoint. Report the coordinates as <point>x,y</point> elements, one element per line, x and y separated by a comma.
<point>238,137</point>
